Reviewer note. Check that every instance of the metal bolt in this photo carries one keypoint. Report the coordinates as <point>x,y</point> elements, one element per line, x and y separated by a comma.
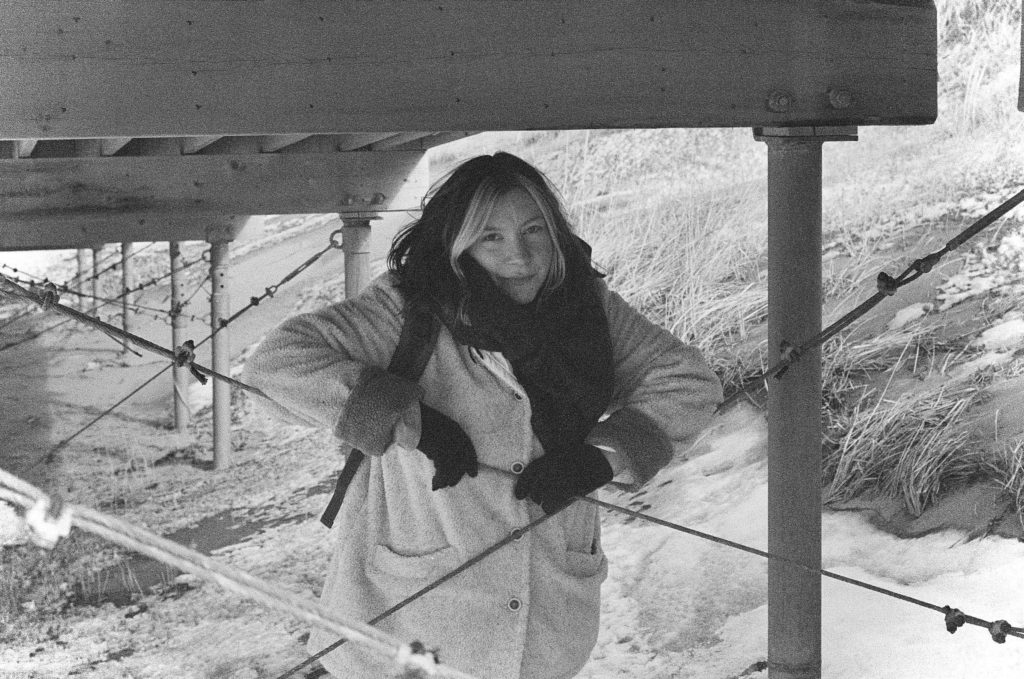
<point>347,199</point>
<point>779,101</point>
<point>840,98</point>
<point>377,199</point>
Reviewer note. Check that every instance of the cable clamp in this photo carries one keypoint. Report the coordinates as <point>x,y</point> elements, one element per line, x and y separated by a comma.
<point>788,355</point>
<point>185,355</point>
<point>999,630</point>
<point>417,661</point>
<point>254,301</point>
<point>955,619</point>
<point>46,528</point>
<point>336,238</point>
<point>49,297</point>
<point>887,285</point>
<point>926,263</point>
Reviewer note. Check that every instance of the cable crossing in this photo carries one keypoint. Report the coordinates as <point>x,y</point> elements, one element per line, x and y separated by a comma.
<point>182,356</point>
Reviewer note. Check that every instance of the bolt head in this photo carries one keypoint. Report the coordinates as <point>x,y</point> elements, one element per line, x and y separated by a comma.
<point>840,99</point>
<point>779,101</point>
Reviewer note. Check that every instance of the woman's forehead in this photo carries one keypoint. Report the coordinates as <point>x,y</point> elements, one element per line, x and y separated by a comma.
<point>517,205</point>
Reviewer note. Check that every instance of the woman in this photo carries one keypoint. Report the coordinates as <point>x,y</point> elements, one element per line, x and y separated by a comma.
<point>509,416</point>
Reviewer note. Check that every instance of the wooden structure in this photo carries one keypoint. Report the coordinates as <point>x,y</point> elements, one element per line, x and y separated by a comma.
<point>173,120</point>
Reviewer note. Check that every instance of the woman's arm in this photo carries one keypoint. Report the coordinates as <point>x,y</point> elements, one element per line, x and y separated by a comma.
<point>327,368</point>
<point>665,393</point>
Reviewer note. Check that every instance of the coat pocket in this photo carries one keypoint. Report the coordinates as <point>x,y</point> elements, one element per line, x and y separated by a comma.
<point>419,566</point>
<point>586,564</point>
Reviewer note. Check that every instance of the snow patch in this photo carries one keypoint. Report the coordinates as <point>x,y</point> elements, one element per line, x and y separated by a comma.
<point>12,527</point>
<point>1001,337</point>
<point>910,313</point>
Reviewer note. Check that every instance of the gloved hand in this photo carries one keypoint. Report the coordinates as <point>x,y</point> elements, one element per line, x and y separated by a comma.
<point>554,479</point>
<point>442,440</point>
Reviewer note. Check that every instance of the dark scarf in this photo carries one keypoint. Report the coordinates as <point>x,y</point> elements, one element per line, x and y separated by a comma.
<point>558,345</point>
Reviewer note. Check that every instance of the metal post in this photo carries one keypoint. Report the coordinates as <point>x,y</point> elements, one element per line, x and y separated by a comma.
<point>96,280</point>
<point>794,400</point>
<point>179,321</point>
<point>355,243</point>
<point>80,279</point>
<point>220,310</point>
<point>127,281</point>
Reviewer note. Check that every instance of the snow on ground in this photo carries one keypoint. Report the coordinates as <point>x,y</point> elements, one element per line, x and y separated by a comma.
<point>676,606</point>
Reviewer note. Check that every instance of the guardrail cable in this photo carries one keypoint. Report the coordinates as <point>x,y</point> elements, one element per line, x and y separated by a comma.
<point>887,286</point>
<point>48,521</point>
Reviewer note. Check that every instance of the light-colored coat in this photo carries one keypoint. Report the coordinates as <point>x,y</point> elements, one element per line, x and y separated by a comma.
<point>531,609</point>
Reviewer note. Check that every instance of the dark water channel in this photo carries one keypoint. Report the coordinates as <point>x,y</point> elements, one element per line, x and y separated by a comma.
<point>137,575</point>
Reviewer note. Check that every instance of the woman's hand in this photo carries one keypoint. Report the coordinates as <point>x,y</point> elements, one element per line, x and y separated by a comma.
<point>554,479</point>
<point>441,439</point>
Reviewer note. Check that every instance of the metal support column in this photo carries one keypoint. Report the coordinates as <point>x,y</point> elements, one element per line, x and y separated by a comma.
<point>82,305</point>
<point>179,321</point>
<point>95,308</point>
<point>355,243</point>
<point>127,281</point>
<point>794,400</point>
<point>220,311</point>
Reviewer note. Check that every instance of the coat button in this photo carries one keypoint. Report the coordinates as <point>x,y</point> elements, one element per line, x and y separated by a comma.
<point>514,604</point>
<point>517,467</point>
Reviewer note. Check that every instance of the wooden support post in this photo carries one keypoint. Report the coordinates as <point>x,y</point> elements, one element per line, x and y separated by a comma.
<point>179,321</point>
<point>127,281</point>
<point>80,279</point>
<point>220,311</point>
<point>794,400</point>
<point>95,308</point>
<point>355,243</point>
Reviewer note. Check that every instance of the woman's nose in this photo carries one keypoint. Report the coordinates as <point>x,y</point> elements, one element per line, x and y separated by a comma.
<point>518,250</point>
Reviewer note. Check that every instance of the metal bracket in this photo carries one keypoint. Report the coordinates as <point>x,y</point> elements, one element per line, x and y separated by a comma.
<point>820,133</point>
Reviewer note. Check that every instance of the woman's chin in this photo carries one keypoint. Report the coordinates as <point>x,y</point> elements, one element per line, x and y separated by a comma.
<point>521,291</point>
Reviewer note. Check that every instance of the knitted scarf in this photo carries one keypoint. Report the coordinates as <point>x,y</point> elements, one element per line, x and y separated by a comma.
<point>558,345</point>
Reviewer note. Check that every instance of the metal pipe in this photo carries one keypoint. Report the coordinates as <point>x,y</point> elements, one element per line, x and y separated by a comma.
<point>355,243</point>
<point>220,311</point>
<point>179,321</point>
<point>794,408</point>
<point>127,281</point>
<point>83,304</point>
<point>96,280</point>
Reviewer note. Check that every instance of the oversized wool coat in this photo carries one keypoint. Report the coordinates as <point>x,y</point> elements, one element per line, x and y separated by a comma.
<point>531,609</point>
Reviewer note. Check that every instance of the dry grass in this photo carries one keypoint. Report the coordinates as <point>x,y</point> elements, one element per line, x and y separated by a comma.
<point>1009,463</point>
<point>909,447</point>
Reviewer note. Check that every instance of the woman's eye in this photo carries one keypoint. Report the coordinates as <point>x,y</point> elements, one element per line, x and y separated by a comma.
<point>490,237</point>
<point>534,228</point>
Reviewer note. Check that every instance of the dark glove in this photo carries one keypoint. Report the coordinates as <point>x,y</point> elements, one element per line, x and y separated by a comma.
<point>553,480</point>
<point>444,442</point>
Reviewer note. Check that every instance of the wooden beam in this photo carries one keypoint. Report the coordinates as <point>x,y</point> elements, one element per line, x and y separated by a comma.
<point>92,232</point>
<point>268,183</point>
<point>195,144</point>
<point>94,68</point>
<point>109,147</point>
<point>25,147</point>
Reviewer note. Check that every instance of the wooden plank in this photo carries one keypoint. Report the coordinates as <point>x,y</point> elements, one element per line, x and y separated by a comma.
<point>212,184</point>
<point>60,233</point>
<point>95,68</point>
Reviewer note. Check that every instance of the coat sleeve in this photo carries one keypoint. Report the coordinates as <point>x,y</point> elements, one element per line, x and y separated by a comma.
<point>328,369</point>
<point>665,393</point>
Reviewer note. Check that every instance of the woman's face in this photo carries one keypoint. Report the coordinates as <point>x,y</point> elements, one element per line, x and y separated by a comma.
<point>515,248</point>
